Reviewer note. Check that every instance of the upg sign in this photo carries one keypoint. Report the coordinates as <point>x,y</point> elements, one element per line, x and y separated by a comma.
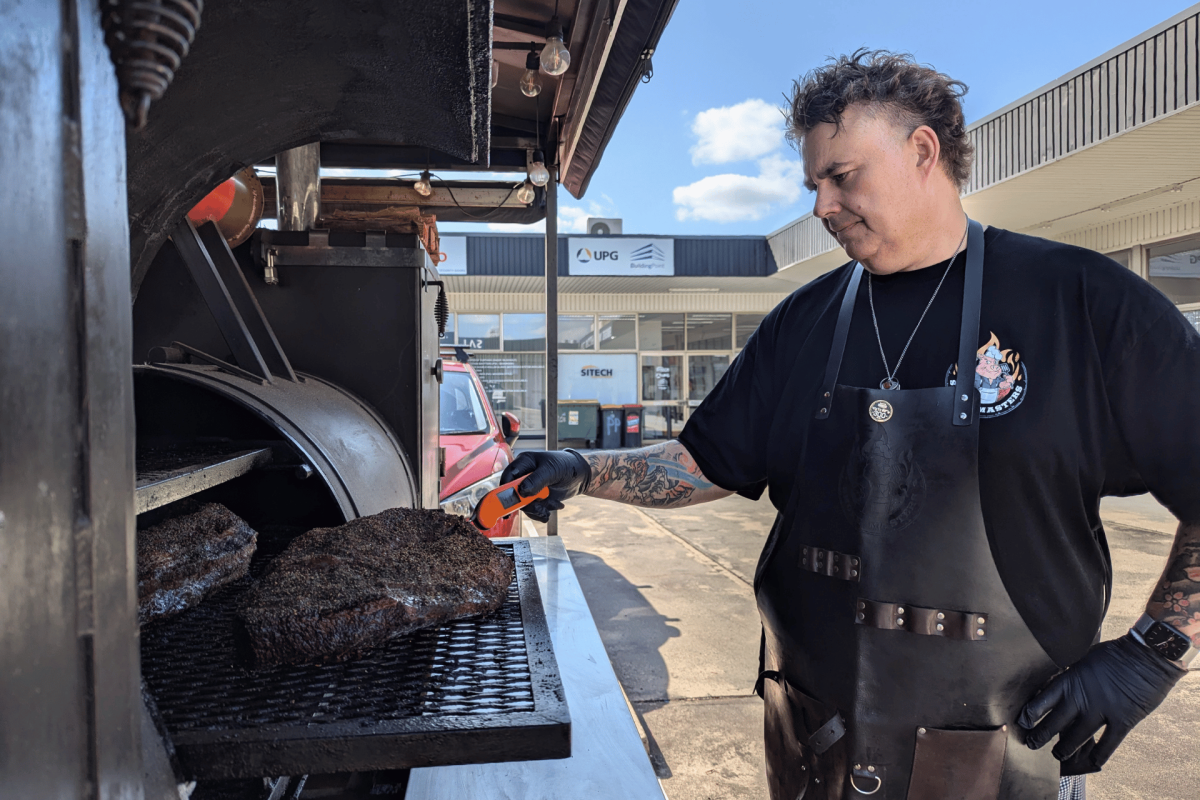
<point>585,255</point>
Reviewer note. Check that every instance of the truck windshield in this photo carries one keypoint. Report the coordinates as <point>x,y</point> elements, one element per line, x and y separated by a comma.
<point>462,410</point>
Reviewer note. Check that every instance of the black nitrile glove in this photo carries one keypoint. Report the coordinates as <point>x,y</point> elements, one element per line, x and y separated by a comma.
<point>566,473</point>
<point>1116,685</point>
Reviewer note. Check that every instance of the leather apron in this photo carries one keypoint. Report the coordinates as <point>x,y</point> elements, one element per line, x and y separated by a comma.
<point>895,662</point>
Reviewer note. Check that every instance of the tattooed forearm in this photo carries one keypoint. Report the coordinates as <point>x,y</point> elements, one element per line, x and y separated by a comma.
<point>662,476</point>
<point>1177,599</point>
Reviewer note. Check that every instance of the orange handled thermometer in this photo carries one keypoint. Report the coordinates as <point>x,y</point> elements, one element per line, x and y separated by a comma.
<point>502,501</point>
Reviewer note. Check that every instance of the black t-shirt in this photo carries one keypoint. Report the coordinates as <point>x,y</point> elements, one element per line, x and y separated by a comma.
<point>1090,386</point>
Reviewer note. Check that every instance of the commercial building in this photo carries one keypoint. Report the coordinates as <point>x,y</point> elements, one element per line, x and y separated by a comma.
<point>649,320</point>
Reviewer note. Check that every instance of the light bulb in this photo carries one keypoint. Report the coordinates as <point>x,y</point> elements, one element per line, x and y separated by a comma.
<point>495,73</point>
<point>526,193</point>
<point>531,84</point>
<point>538,174</point>
<point>422,186</point>
<point>555,56</point>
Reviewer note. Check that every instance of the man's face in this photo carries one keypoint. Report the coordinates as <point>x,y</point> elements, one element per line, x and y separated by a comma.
<point>869,186</point>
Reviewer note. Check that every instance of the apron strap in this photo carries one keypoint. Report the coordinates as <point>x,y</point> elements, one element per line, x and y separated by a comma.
<point>840,333</point>
<point>966,396</point>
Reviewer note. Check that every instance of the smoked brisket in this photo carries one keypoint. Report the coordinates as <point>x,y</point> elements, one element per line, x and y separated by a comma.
<point>335,593</point>
<point>184,559</point>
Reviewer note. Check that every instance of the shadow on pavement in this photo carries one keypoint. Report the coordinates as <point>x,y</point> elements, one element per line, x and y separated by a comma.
<point>633,629</point>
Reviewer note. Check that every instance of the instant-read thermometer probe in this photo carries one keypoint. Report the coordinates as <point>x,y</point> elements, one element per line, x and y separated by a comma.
<point>502,501</point>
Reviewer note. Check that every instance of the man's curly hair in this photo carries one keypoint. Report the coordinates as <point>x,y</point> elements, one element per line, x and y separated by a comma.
<point>912,94</point>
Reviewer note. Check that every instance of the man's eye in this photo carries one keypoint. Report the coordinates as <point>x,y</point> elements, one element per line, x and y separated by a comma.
<point>840,178</point>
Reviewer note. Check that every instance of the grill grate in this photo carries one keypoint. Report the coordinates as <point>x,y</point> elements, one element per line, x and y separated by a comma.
<point>437,696</point>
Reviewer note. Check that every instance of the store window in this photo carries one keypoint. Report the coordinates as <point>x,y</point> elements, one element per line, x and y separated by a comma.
<point>479,331</point>
<point>448,336</point>
<point>576,332</point>
<point>515,382</point>
<point>1175,270</point>
<point>618,332</point>
<point>746,325</point>
<point>525,332</point>
<point>660,332</point>
<point>663,422</point>
<point>662,378</point>
<point>703,374</point>
<point>709,331</point>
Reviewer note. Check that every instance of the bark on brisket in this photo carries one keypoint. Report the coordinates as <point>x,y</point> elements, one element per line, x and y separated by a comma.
<point>338,592</point>
<point>184,559</point>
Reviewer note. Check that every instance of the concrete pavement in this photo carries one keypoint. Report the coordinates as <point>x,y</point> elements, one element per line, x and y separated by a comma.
<point>670,592</point>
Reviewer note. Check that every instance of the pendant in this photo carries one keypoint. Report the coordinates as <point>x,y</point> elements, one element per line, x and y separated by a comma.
<point>889,384</point>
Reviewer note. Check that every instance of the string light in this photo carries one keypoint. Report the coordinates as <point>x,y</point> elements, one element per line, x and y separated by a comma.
<point>526,193</point>
<point>531,84</point>
<point>538,174</point>
<point>423,187</point>
<point>555,56</point>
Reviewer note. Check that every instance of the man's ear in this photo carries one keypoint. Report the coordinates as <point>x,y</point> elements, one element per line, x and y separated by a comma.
<point>928,149</point>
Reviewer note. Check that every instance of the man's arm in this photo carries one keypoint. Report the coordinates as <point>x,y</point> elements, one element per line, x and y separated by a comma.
<point>659,476</point>
<point>1176,601</point>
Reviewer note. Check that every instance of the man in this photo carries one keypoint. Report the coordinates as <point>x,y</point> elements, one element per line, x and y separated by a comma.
<point>933,587</point>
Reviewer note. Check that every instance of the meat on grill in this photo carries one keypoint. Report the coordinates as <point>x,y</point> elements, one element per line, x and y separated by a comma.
<point>184,559</point>
<point>335,593</point>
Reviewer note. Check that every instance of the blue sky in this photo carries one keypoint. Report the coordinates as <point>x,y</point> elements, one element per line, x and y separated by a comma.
<point>700,148</point>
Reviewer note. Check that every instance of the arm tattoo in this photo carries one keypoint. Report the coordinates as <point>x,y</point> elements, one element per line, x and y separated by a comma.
<point>1176,601</point>
<point>661,476</point>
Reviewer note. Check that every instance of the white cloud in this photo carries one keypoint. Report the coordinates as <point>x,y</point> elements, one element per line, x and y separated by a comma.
<point>738,198</point>
<point>750,129</point>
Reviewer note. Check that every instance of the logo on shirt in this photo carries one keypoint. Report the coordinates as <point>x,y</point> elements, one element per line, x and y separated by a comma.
<point>1000,377</point>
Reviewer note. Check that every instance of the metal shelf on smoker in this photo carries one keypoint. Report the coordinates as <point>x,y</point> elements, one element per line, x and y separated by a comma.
<point>479,690</point>
<point>167,475</point>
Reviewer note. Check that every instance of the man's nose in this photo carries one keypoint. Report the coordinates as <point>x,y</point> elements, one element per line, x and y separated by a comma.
<point>826,204</point>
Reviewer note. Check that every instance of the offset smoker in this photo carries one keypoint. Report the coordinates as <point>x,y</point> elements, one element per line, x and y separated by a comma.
<point>227,413</point>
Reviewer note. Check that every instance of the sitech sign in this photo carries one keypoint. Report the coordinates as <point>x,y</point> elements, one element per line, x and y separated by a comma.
<point>621,255</point>
<point>595,372</point>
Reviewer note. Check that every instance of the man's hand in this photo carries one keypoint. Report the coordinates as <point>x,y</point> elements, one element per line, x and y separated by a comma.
<point>566,473</point>
<point>1116,685</point>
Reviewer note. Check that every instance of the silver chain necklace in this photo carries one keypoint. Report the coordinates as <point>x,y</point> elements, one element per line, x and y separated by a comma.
<point>890,381</point>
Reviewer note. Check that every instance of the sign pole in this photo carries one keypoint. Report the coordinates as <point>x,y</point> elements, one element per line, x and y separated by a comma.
<point>552,325</point>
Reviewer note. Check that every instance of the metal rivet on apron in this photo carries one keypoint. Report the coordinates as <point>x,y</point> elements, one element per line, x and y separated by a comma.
<point>900,610</point>
<point>823,410</point>
<point>960,416</point>
<point>862,616</point>
<point>870,769</point>
<point>980,620</point>
<point>854,561</point>
<point>827,394</point>
<point>858,766</point>
<point>979,632</point>
<point>941,615</point>
<point>921,731</point>
<point>940,626</point>
<point>900,621</point>
<point>853,573</point>
<point>862,605</point>
<point>965,398</point>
